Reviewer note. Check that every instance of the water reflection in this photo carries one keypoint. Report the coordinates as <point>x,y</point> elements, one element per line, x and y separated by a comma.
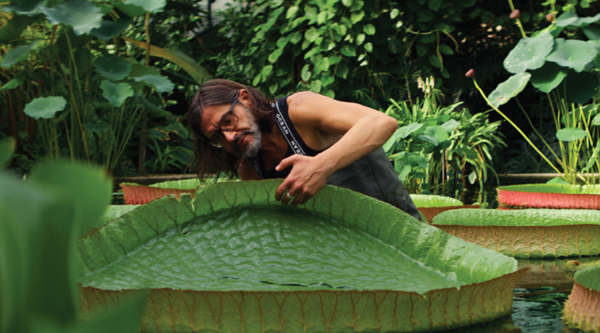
<point>538,300</point>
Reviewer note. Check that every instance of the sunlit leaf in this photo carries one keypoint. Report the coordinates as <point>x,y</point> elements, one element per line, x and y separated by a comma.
<point>529,53</point>
<point>17,54</point>
<point>557,180</point>
<point>596,120</point>
<point>116,93</point>
<point>112,68</point>
<point>45,107</point>
<point>81,15</point>
<point>509,89</point>
<point>570,134</point>
<point>160,83</point>
<point>572,53</point>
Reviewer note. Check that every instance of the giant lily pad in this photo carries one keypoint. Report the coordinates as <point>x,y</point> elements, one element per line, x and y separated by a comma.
<point>431,205</point>
<point>530,53</point>
<point>234,259</point>
<point>550,196</point>
<point>527,233</point>
<point>582,307</point>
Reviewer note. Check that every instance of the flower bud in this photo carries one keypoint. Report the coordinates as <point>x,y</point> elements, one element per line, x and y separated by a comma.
<point>515,14</point>
<point>470,73</point>
<point>550,17</point>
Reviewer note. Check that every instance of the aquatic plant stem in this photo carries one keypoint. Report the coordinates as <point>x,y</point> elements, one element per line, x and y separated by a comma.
<point>515,126</point>
<point>512,7</point>
<point>533,128</point>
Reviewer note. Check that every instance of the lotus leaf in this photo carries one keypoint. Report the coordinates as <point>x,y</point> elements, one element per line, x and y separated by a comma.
<point>233,258</point>
<point>45,107</point>
<point>527,233</point>
<point>112,68</point>
<point>582,307</point>
<point>580,87</point>
<point>81,15</point>
<point>548,77</point>
<point>116,93</point>
<point>17,54</point>
<point>573,53</point>
<point>529,53</point>
<point>509,89</point>
<point>550,196</point>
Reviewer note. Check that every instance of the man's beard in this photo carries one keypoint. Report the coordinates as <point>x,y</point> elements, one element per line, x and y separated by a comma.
<point>254,131</point>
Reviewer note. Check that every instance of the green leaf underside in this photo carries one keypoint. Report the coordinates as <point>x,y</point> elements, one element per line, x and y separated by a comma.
<point>509,89</point>
<point>589,278</point>
<point>235,236</point>
<point>529,54</point>
<point>553,188</point>
<point>427,201</point>
<point>518,218</point>
<point>548,77</point>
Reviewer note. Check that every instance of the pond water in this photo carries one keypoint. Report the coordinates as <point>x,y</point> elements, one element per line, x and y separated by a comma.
<point>538,300</point>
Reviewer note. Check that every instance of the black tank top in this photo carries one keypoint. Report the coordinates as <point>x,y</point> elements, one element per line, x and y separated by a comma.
<point>372,174</point>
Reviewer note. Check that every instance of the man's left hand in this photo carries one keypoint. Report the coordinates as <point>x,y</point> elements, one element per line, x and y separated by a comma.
<point>307,177</point>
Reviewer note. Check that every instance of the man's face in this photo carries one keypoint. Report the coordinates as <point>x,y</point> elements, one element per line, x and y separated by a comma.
<point>241,139</point>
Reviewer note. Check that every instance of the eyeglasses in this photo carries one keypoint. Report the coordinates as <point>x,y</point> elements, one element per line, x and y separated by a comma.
<point>228,123</point>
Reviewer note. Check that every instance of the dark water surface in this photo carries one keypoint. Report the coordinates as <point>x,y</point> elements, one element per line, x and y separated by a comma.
<point>538,300</point>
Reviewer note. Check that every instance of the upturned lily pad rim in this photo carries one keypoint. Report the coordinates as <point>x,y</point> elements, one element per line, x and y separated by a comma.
<point>428,244</point>
<point>517,216</point>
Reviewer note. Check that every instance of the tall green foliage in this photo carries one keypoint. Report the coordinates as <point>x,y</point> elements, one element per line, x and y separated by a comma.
<point>69,73</point>
<point>358,50</point>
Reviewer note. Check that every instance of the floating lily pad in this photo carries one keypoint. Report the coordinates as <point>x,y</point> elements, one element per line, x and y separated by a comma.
<point>582,307</point>
<point>136,194</point>
<point>550,196</point>
<point>530,53</point>
<point>572,53</point>
<point>509,89</point>
<point>527,233</point>
<point>234,257</point>
<point>114,211</point>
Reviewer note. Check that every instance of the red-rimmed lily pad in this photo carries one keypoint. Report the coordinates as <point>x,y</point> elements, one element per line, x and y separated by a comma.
<point>583,306</point>
<point>527,233</point>
<point>234,259</point>
<point>431,205</point>
<point>560,196</point>
<point>136,194</point>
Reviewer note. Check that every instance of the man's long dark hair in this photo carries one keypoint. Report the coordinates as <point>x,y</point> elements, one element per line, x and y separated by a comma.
<point>212,160</point>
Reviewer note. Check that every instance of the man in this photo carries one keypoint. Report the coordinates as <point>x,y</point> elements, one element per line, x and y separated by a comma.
<point>306,138</point>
